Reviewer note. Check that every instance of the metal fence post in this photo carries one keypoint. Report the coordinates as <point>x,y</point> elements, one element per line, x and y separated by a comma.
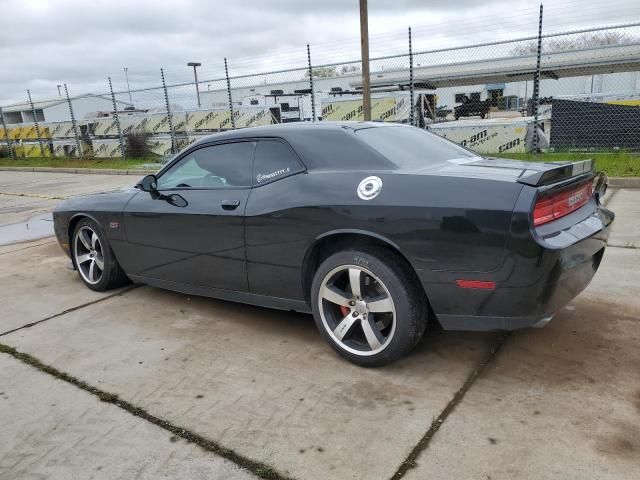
<point>170,120</point>
<point>536,86</point>
<point>411,92</point>
<point>35,121</point>
<point>313,96</point>
<point>73,123</point>
<point>115,117</point>
<point>226,72</point>
<point>6,137</point>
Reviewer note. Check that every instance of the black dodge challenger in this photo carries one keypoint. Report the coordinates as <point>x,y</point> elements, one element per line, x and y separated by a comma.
<point>374,228</point>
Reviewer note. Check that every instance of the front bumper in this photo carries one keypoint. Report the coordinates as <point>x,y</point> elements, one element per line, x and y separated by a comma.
<point>61,229</point>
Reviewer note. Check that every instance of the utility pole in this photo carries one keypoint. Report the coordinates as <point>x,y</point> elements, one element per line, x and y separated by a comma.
<point>364,46</point>
<point>195,76</point>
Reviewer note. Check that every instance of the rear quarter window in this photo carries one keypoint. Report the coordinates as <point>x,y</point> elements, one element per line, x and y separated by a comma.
<point>274,160</point>
<point>409,147</point>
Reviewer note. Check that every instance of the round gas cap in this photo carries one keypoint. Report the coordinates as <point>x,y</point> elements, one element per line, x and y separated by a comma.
<point>369,188</point>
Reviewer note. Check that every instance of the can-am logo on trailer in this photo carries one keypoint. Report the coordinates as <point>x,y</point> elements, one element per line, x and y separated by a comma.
<point>477,139</point>
<point>509,145</point>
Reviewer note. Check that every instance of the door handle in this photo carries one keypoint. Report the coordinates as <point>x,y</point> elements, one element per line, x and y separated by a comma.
<point>230,204</point>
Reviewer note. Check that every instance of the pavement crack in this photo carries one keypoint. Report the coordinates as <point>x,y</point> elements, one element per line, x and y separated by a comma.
<point>608,199</point>
<point>31,195</point>
<point>24,248</point>
<point>632,247</point>
<point>72,309</point>
<point>259,469</point>
<point>410,462</point>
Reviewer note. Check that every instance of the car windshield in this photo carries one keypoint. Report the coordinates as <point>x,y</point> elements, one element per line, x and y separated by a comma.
<point>412,148</point>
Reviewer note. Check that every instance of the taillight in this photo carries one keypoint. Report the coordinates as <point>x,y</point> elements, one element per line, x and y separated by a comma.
<point>557,205</point>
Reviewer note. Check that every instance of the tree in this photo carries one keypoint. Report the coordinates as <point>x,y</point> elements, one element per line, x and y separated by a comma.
<point>322,72</point>
<point>574,42</point>
<point>347,69</point>
<point>137,145</point>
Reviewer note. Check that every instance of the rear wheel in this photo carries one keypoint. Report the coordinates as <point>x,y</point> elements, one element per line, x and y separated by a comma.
<point>94,259</point>
<point>367,306</point>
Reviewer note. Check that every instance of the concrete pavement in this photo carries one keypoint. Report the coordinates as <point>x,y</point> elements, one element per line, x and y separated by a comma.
<point>27,199</point>
<point>259,388</point>
<point>562,402</point>
<point>52,430</point>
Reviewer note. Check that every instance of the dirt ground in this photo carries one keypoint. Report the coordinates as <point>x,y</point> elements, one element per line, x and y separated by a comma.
<point>146,383</point>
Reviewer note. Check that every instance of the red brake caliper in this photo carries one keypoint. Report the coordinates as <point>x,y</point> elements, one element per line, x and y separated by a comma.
<point>344,310</point>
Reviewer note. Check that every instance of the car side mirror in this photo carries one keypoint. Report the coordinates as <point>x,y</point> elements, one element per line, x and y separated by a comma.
<point>148,184</point>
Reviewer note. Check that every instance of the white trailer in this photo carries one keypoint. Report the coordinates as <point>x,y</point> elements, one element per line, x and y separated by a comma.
<point>499,135</point>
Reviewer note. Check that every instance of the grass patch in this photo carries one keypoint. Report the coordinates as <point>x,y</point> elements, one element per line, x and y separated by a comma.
<point>614,164</point>
<point>62,162</point>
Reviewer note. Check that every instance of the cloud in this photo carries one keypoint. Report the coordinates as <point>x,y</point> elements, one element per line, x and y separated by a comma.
<point>45,43</point>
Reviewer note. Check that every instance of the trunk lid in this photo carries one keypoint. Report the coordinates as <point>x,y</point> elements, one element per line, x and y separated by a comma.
<point>535,174</point>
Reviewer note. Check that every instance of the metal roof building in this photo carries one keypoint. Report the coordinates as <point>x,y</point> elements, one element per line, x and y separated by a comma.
<point>57,110</point>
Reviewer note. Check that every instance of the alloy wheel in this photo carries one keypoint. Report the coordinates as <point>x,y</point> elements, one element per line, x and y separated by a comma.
<point>88,254</point>
<point>357,310</point>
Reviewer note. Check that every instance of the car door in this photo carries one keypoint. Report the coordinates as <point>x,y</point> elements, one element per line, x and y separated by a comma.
<point>192,230</point>
<point>275,233</point>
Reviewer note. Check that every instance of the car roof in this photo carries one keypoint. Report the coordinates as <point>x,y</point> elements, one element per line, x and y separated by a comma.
<point>285,130</point>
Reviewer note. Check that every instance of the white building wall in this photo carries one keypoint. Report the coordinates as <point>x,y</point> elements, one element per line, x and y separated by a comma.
<point>626,83</point>
<point>82,107</point>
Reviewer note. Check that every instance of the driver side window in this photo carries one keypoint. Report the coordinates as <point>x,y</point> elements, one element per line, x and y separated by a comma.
<point>228,165</point>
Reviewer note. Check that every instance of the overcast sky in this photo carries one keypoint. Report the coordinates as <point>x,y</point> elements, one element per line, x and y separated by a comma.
<point>80,42</point>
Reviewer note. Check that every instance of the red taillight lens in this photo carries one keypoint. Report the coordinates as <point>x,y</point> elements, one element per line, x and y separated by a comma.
<point>480,284</point>
<point>554,206</point>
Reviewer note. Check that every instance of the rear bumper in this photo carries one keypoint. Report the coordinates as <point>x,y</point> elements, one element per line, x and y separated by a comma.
<point>534,283</point>
<point>488,324</point>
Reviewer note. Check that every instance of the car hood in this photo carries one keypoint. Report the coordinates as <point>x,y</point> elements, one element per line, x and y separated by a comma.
<point>97,201</point>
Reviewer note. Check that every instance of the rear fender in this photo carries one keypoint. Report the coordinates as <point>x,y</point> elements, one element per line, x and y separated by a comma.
<point>313,254</point>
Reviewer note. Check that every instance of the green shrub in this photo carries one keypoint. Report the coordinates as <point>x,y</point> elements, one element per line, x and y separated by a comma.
<point>137,145</point>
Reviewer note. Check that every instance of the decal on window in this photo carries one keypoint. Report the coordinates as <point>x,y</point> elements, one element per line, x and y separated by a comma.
<point>261,177</point>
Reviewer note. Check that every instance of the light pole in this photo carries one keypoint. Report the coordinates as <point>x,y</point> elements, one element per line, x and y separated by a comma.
<point>59,94</point>
<point>195,76</point>
<point>126,74</point>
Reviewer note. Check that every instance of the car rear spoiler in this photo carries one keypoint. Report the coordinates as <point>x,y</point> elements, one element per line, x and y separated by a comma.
<point>557,172</point>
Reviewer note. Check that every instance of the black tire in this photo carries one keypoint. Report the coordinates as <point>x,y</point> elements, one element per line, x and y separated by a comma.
<point>112,274</point>
<point>389,272</point>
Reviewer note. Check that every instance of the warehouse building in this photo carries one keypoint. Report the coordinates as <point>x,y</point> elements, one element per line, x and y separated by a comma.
<point>57,110</point>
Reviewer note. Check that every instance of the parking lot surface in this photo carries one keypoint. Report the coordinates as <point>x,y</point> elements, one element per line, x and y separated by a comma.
<point>146,382</point>
<point>27,199</point>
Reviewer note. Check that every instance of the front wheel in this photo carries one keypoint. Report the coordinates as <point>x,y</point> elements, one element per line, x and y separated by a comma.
<point>93,258</point>
<point>368,306</point>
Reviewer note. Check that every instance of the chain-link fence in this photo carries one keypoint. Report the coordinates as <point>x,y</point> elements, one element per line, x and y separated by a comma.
<point>550,93</point>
